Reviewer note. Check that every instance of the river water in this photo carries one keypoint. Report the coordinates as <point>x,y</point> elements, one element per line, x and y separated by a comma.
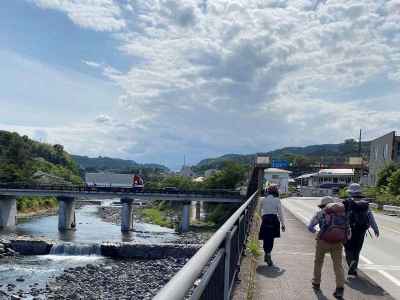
<point>90,230</point>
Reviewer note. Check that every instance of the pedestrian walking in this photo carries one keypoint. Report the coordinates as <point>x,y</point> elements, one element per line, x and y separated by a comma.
<point>361,219</point>
<point>272,218</point>
<point>334,231</point>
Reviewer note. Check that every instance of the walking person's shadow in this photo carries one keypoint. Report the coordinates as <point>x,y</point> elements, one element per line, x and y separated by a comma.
<point>270,271</point>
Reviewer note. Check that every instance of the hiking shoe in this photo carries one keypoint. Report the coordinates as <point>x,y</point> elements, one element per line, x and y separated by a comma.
<point>316,286</point>
<point>267,259</point>
<point>338,294</point>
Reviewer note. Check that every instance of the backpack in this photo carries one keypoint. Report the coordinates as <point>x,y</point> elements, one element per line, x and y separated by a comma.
<point>334,224</point>
<point>358,214</point>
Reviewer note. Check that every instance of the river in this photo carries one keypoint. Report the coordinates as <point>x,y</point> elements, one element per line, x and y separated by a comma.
<point>90,230</point>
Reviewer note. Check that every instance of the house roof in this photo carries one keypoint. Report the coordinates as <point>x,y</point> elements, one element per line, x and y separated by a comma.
<point>337,172</point>
<point>275,170</point>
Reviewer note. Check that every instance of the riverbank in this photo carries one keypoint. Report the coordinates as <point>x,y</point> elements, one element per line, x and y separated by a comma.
<point>48,211</point>
<point>197,235</point>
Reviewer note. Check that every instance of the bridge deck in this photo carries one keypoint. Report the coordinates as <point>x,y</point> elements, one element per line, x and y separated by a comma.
<point>293,256</point>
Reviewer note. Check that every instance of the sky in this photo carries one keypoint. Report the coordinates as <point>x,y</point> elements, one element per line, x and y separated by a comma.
<point>158,80</point>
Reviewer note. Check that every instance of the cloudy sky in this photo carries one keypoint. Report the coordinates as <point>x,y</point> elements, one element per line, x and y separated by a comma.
<point>154,80</point>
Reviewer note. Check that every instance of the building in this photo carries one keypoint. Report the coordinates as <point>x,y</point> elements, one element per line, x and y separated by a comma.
<point>327,178</point>
<point>384,151</point>
<point>279,177</point>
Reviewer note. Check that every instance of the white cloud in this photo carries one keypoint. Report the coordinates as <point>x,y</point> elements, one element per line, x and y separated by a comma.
<point>100,15</point>
<point>248,75</point>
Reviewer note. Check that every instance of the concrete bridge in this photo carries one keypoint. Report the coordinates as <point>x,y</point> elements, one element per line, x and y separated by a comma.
<point>66,195</point>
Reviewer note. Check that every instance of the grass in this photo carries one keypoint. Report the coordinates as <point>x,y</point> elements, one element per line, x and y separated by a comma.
<point>253,247</point>
<point>157,216</point>
<point>33,204</point>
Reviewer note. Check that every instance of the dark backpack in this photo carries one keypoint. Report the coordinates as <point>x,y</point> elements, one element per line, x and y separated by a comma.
<point>358,214</point>
<point>334,225</point>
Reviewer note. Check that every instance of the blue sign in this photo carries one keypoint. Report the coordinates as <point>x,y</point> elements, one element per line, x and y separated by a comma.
<point>280,164</point>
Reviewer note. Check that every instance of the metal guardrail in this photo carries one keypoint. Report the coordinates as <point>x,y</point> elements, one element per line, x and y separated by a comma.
<point>391,208</point>
<point>219,259</point>
<point>373,205</point>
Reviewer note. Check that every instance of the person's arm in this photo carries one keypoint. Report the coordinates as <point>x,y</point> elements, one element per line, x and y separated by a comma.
<point>280,214</point>
<point>372,223</point>
<point>313,222</point>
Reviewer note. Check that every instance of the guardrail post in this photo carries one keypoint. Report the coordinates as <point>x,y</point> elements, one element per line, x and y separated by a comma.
<point>227,273</point>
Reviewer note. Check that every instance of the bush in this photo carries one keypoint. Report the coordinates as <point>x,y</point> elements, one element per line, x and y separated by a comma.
<point>385,173</point>
<point>394,183</point>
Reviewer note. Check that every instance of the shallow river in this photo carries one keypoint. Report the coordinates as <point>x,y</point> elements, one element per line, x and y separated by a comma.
<point>90,229</point>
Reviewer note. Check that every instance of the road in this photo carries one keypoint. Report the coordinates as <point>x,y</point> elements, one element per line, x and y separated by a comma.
<point>380,258</point>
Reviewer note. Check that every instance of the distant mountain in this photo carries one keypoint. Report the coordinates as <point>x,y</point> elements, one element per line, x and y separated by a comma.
<point>327,153</point>
<point>114,164</point>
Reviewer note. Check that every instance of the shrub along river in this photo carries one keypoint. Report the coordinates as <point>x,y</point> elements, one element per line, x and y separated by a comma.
<point>75,270</point>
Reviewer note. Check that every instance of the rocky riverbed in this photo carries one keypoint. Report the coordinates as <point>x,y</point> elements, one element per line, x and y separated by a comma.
<point>5,249</point>
<point>136,279</point>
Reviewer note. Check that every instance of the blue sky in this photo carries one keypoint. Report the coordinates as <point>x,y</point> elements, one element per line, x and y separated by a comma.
<point>159,79</point>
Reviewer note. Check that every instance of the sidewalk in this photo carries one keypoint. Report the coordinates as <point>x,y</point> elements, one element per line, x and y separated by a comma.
<point>290,278</point>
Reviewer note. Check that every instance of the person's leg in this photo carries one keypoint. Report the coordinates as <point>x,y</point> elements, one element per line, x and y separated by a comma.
<point>336,255</point>
<point>268,244</point>
<point>318,263</point>
<point>358,246</point>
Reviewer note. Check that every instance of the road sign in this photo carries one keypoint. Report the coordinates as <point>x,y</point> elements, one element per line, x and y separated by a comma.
<point>280,164</point>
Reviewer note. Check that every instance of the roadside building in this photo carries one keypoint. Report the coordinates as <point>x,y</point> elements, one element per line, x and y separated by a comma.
<point>279,177</point>
<point>384,151</point>
<point>327,178</point>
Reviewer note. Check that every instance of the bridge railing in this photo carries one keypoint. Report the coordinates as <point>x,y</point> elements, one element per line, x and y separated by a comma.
<point>112,189</point>
<point>210,274</point>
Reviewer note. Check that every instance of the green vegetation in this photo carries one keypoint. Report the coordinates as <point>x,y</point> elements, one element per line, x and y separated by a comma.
<point>253,247</point>
<point>21,158</point>
<point>157,216</point>
<point>387,190</point>
<point>33,204</point>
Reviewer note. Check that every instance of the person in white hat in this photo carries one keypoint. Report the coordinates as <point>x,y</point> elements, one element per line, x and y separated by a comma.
<point>361,219</point>
<point>335,249</point>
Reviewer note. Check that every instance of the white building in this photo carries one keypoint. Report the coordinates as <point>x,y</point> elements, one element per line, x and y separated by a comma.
<point>327,178</point>
<point>279,177</point>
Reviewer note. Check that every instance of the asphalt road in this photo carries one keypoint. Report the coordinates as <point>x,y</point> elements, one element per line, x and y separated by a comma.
<point>380,258</point>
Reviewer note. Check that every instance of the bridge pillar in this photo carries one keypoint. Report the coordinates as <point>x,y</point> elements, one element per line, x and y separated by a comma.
<point>8,211</point>
<point>126,214</point>
<point>66,213</point>
<point>185,221</point>
<point>197,210</point>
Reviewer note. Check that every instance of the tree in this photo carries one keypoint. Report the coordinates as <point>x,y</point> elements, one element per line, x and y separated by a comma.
<point>228,178</point>
<point>394,183</point>
<point>385,173</point>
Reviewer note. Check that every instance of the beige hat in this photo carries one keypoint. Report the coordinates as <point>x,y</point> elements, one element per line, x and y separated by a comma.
<point>325,201</point>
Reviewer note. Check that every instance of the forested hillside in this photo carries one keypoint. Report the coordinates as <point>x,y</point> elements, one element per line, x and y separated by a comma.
<point>298,156</point>
<point>21,158</point>
<point>112,164</point>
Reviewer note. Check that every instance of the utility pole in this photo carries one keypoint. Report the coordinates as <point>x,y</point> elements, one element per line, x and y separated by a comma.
<point>360,144</point>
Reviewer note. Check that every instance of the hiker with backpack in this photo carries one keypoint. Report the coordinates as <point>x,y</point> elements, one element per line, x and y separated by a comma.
<point>272,218</point>
<point>334,231</point>
<point>360,219</point>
